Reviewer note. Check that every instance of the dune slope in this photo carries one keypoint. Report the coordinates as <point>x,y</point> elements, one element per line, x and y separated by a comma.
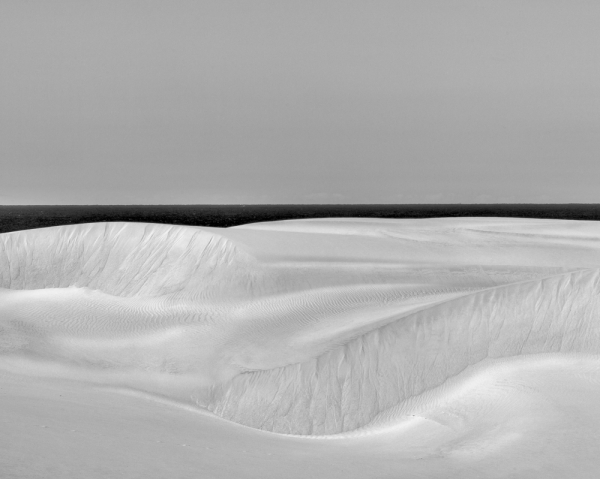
<point>442,331</point>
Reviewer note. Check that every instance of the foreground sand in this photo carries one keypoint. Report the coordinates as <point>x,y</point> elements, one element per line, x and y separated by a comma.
<point>460,347</point>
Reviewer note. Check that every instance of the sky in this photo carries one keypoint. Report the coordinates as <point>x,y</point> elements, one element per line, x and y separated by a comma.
<point>307,101</point>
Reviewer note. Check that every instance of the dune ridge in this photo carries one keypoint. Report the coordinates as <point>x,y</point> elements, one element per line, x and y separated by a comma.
<point>344,389</point>
<point>123,259</point>
<point>315,327</point>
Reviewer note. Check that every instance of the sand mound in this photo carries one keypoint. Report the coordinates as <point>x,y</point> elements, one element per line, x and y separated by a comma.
<point>349,386</point>
<point>123,259</point>
<point>437,330</point>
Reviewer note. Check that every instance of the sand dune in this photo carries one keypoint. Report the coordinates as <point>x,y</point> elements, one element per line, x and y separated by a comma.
<point>371,348</point>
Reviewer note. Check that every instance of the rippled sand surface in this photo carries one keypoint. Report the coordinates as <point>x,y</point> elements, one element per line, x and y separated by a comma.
<point>350,348</point>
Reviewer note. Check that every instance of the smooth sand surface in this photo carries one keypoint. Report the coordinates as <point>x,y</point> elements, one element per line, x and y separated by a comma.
<point>330,348</point>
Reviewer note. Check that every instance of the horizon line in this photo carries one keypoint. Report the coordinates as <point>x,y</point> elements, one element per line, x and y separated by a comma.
<point>300,204</point>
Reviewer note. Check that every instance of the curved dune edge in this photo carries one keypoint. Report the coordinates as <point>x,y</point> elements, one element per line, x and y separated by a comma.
<point>346,388</point>
<point>299,327</point>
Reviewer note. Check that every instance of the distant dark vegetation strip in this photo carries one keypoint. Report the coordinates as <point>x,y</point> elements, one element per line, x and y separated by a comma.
<point>13,218</point>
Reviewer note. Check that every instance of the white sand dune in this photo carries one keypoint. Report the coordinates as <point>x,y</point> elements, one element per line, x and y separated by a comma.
<point>459,347</point>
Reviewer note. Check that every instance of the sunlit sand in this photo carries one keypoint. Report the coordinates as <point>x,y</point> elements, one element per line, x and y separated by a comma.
<point>332,348</point>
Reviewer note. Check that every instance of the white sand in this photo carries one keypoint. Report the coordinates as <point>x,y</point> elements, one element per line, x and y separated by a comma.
<point>456,347</point>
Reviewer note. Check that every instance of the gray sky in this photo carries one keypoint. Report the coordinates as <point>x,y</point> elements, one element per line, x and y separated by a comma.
<point>117,101</point>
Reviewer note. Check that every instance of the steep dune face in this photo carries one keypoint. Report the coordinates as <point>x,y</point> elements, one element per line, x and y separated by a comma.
<point>125,259</point>
<point>122,298</point>
<point>306,327</point>
<point>346,388</point>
